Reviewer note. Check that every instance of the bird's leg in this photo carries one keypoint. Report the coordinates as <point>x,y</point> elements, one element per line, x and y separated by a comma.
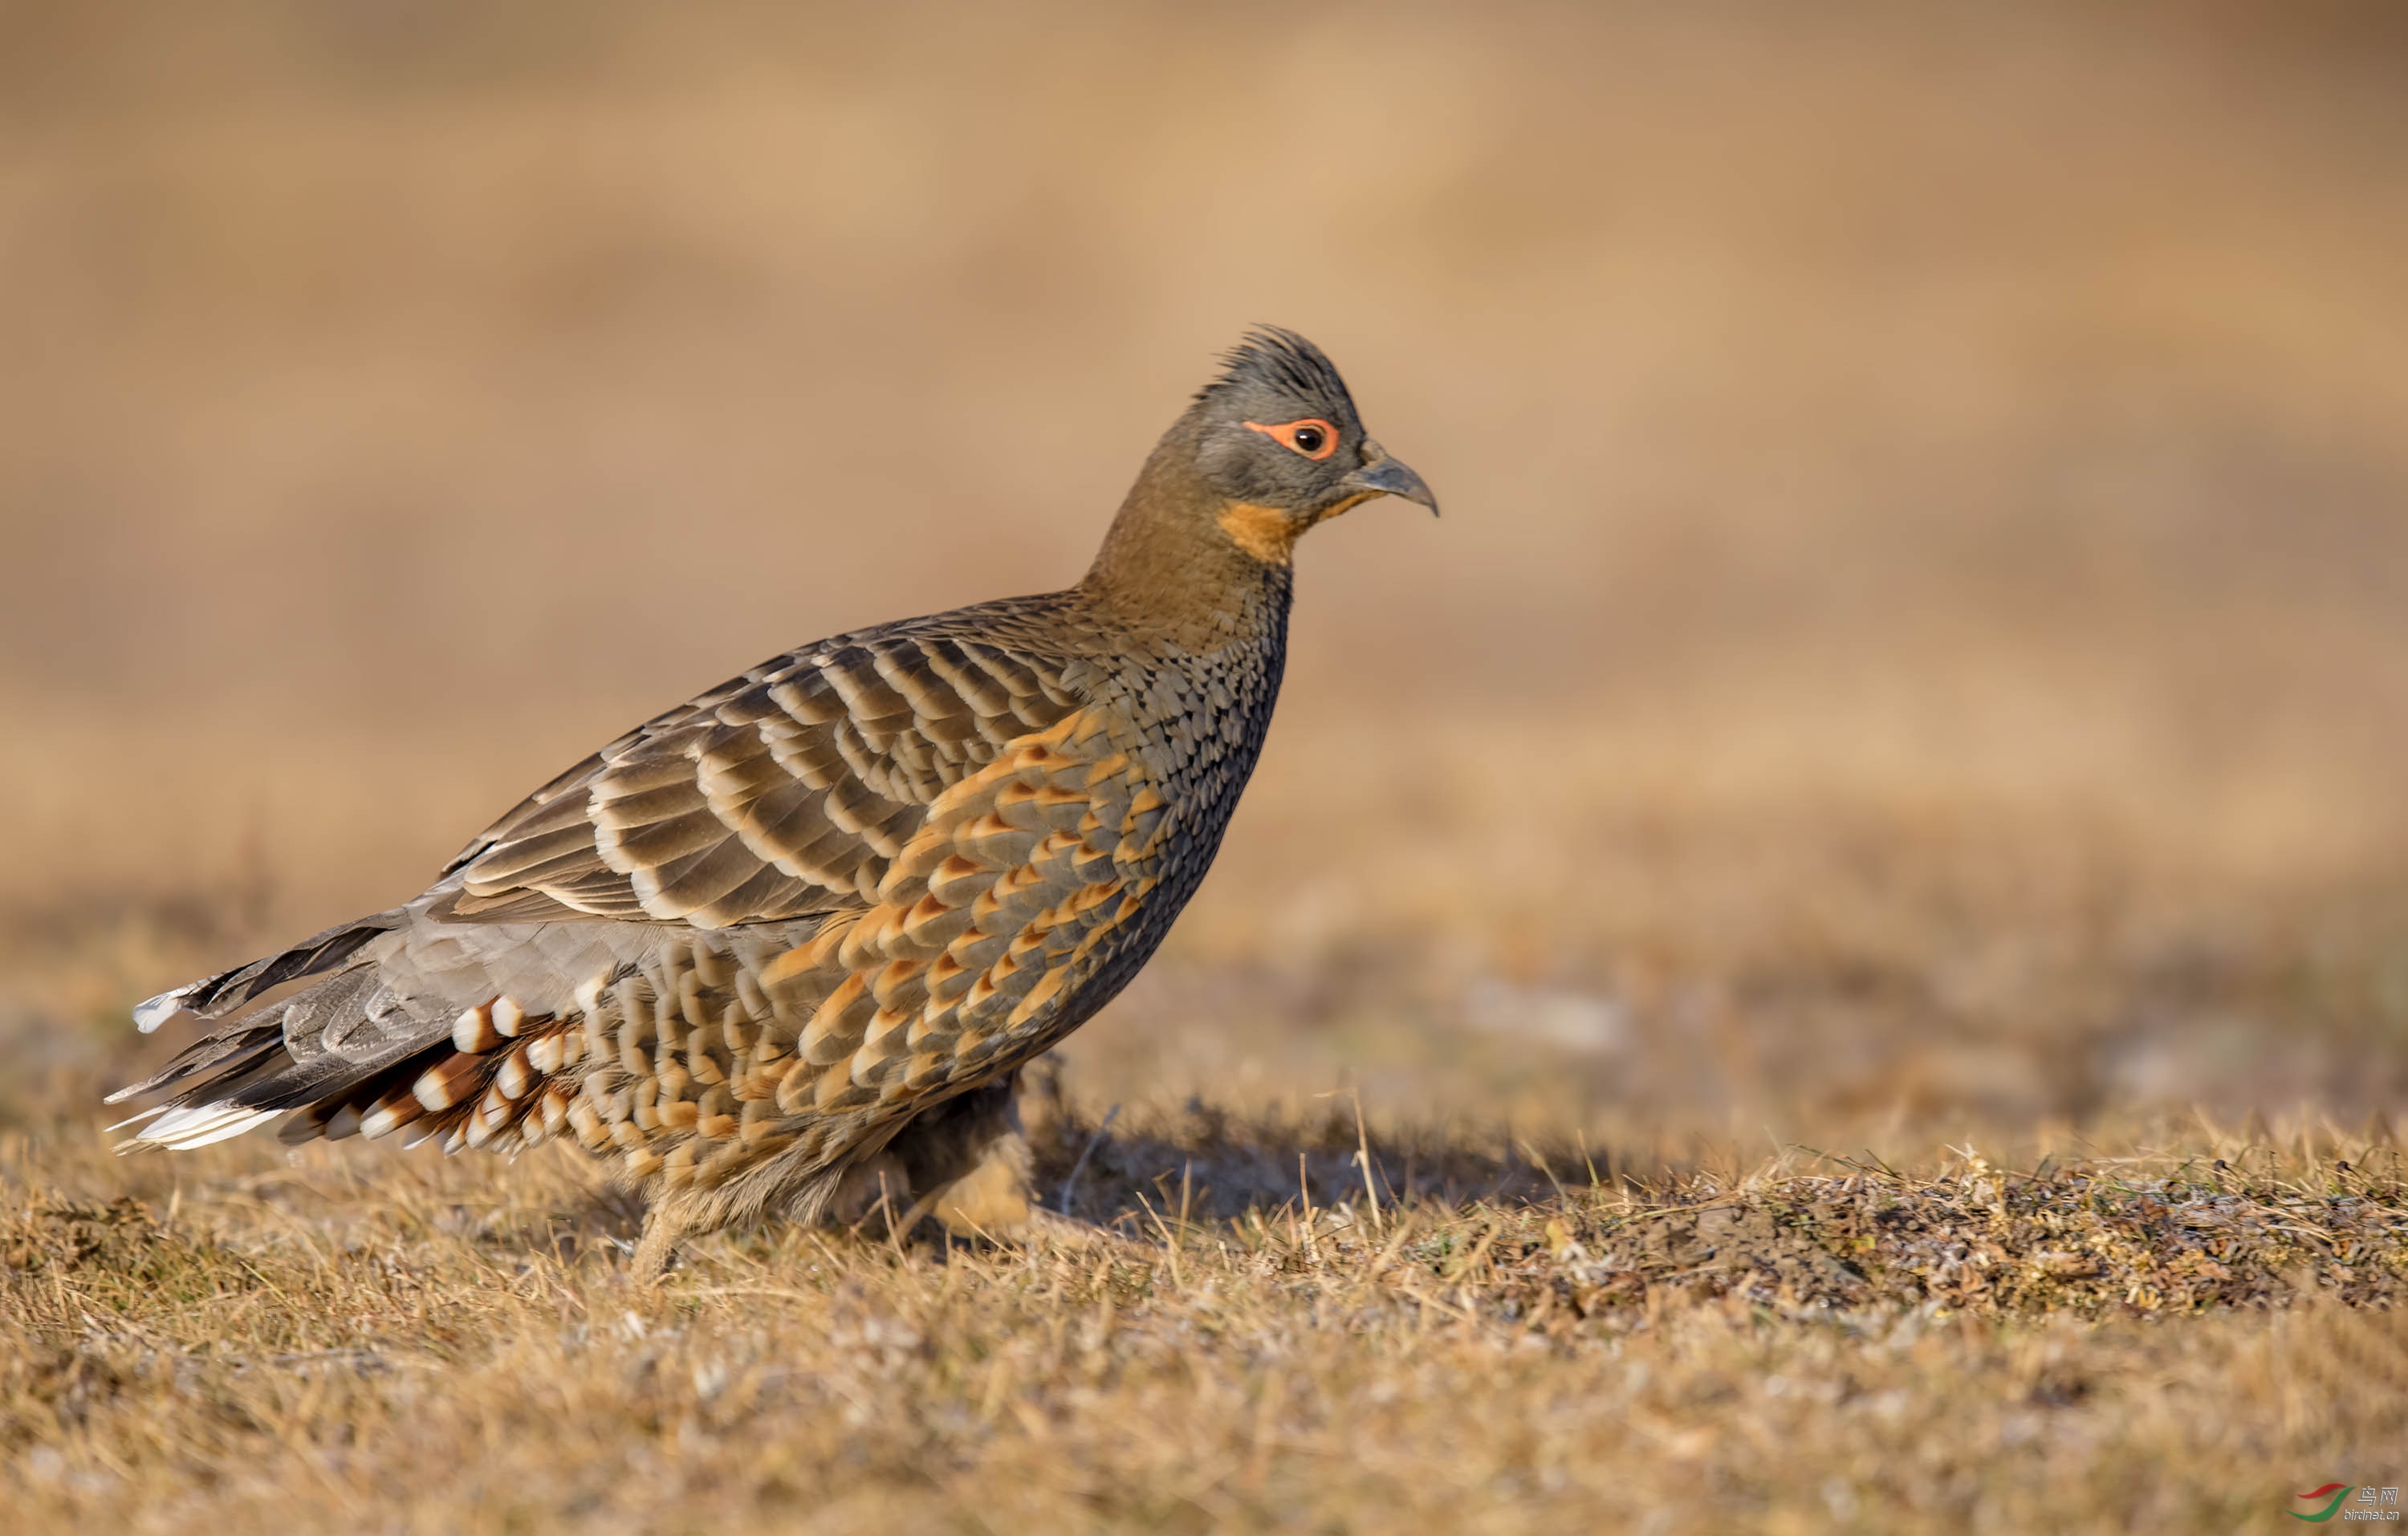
<point>994,1198</point>
<point>968,1163</point>
<point>664,1226</point>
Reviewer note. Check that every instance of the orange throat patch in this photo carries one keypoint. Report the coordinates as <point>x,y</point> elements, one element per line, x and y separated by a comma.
<point>1269,533</point>
<point>1266,533</point>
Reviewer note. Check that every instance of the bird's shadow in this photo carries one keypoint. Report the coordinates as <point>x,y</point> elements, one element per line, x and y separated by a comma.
<point>1207,1164</point>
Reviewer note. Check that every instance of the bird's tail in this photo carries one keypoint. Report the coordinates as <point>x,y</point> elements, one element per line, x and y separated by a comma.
<point>242,1073</point>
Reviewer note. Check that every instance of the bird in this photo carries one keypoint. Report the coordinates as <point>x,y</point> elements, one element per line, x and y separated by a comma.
<point>808,927</point>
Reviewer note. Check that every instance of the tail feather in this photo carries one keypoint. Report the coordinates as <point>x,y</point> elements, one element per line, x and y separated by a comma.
<point>245,1040</point>
<point>339,1109</point>
<point>198,1124</point>
<point>398,1022</point>
<point>207,1112</point>
<point>214,996</point>
<point>345,1028</point>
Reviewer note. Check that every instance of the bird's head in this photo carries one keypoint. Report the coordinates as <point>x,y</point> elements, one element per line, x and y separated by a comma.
<point>1266,451</point>
<point>1276,438</point>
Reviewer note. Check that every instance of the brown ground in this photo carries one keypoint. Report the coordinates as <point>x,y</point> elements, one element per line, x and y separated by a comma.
<point>1887,773</point>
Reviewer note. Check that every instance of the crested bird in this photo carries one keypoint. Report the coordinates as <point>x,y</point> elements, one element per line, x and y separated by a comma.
<point>812,923</point>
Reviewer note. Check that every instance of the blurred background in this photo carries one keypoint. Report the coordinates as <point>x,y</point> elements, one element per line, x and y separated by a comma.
<point>1918,646</point>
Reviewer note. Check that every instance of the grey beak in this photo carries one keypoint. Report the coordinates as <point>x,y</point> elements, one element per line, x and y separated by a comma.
<point>1387,477</point>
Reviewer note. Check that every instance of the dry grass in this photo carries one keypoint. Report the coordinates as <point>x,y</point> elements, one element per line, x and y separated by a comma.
<point>2163,1342</point>
<point>1912,666</point>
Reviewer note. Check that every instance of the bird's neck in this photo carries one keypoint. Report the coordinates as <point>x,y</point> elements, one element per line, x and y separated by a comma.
<point>1169,568</point>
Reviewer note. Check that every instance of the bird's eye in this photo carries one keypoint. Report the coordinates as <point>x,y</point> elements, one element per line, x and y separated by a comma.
<point>1312,437</point>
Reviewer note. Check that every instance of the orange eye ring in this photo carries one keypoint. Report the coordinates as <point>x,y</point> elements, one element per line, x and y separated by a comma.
<point>1312,437</point>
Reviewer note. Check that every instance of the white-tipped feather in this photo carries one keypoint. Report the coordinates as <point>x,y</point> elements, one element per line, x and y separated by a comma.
<point>445,1083</point>
<point>181,1130</point>
<point>588,1123</point>
<point>152,1012</point>
<point>508,1015</point>
<point>137,1119</point>
<point>388,1116</point>
<point>514,1079</point>
<point>473,1030</point>
<point>486,1121</point>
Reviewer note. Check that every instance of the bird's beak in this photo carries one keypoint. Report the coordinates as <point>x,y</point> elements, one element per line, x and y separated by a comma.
<point>1383,476</point>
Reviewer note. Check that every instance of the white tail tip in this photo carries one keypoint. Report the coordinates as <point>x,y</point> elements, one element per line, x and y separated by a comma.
<point>181,1130</point>
<point>152,1013</point>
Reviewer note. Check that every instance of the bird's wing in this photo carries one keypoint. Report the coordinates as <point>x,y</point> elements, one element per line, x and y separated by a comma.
<point>701,1054</point>
<point>784,793</point>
